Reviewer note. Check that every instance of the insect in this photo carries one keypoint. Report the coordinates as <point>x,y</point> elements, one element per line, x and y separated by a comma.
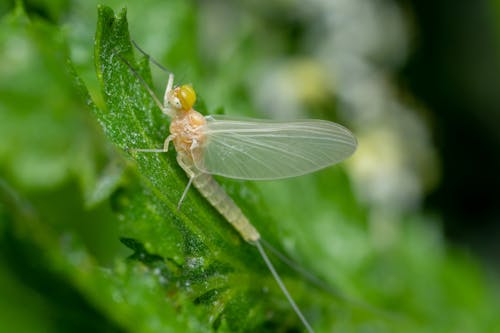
<point>245,149</point>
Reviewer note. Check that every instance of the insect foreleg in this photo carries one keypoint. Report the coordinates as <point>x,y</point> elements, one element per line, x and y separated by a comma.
<point>168,89</point>
<point>164,150</point>
<point>167,142</point>
<point>165,108</point>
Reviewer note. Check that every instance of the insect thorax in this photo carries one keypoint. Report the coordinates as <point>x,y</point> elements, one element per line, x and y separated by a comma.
<point>186,128</point>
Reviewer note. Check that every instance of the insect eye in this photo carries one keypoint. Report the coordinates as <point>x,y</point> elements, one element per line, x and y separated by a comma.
<point>186,96</point>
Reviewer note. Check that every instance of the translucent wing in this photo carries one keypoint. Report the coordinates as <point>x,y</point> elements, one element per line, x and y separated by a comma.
<point>257,149</point>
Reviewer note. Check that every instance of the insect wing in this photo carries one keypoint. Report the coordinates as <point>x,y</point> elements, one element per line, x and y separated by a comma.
<point>259,150</point>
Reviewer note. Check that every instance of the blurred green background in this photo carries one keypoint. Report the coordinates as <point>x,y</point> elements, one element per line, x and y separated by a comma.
<point>405,234</point>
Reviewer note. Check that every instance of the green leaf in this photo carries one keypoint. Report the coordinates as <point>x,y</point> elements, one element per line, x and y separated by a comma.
<point>221,275</point>
<point>90,238</point>
<point>238,292</point>
<point>216,265</point>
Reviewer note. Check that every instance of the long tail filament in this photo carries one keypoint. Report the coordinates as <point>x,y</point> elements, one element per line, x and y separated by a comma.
<point>283,287</point>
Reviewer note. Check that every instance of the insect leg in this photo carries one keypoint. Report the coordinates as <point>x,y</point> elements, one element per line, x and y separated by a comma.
<point>165,108</point>
<point>185,192</point>
<point>140,150</point>
<point>168,89</point>
<point>167,142</point>
<point>191,174</point>
<point>163,150</point>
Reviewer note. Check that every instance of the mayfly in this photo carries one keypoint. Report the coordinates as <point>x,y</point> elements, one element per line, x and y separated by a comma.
<point>245,149</point>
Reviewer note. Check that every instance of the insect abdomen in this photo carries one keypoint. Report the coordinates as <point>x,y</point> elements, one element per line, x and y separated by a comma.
<point>218,198</point>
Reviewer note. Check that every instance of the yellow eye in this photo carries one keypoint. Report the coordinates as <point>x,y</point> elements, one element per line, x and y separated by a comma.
<point>186,96</point>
